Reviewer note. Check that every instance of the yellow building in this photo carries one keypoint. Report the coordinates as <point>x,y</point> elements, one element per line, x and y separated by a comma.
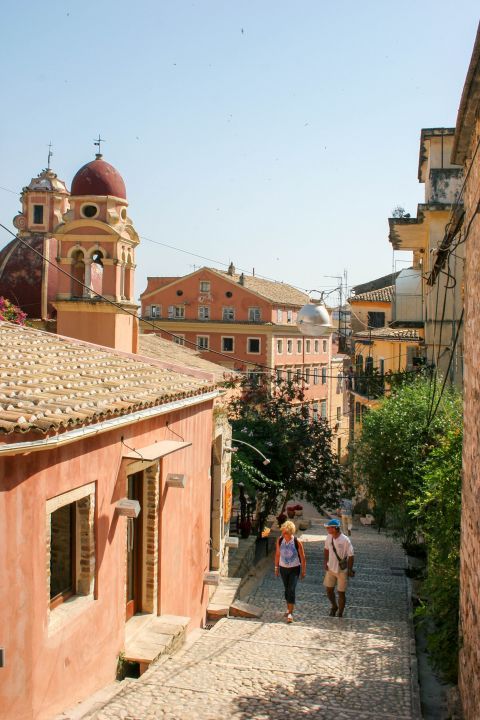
<point>436,278</point>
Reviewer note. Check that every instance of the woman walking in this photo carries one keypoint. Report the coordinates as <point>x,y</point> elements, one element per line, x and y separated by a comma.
<point>290,564</point>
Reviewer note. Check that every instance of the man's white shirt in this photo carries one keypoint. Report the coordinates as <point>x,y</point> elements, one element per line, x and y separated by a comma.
<point>343,547</point>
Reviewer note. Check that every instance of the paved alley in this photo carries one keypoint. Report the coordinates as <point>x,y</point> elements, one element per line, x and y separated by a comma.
<point>358,667</point>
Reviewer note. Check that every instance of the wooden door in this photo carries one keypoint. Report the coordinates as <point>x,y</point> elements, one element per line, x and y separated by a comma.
<point>134,547</point>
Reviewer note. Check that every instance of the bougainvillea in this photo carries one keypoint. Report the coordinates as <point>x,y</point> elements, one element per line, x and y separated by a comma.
<point>11,313</point>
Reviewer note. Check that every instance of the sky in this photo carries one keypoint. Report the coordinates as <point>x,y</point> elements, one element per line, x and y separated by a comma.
<point>277,135</point>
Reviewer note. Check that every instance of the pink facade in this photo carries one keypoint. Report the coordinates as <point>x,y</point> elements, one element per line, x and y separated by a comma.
<point>50,664</point>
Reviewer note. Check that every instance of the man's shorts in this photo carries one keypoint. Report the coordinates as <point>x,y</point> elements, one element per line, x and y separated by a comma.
<point>339,579</point>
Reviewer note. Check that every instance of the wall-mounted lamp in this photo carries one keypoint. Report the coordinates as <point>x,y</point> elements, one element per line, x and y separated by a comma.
<point>128,508</point>
<point>212,578</point>
<point>229,448</point>
<point>178,480</point>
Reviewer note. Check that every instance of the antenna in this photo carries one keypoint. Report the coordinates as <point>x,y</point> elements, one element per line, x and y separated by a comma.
<point>98,142</point>
<point>50,153</point>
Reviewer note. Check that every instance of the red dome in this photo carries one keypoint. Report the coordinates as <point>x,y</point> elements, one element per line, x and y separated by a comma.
<point>98,178</point>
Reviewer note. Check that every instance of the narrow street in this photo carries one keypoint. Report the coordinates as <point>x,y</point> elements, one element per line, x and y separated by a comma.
<point>358,667</point>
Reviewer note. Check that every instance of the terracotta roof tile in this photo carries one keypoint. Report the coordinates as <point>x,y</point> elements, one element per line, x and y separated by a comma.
<point>382,295</point>
<point>277,292</point>
<point>152,345</point>
<point>51,382</point>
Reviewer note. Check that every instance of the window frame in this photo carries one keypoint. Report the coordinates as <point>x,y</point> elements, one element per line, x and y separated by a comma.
<point>324,374</point>
<point>254,311</point>
<point>64,595</point>
<point>289,345</point>
<point>179,339</point>
<point>279,315</point>
<point>279,346</point>
<point>299,347</point>
<point>316,346</point>
<point>200,345</point>
<point>228,310</point>
<point>308,345</point>
<point>316,375</point>
<point>201,311</point>
<point>205,289</point>
<point>254,352</point>
<point>227,337</point>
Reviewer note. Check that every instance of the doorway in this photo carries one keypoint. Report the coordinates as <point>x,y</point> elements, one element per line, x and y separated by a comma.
<point>134,547</point>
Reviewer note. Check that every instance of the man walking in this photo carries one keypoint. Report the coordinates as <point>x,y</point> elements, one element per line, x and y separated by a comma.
<point>346,513</point>
<point>338,564</point>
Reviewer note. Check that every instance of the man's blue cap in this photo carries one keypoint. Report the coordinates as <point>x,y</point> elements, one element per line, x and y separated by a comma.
<point>333,523</point>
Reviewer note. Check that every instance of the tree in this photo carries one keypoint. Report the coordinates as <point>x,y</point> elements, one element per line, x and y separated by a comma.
<point>397,437</point>
<point>399,212</point>
<point>272,415</point>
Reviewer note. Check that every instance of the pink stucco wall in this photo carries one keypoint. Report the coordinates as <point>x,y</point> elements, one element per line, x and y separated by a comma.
<point>47,673</point>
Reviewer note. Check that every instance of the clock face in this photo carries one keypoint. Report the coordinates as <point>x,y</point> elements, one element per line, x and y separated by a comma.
<point>20,222</point>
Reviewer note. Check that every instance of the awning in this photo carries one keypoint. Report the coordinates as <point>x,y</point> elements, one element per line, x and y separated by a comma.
<point>155,451</point>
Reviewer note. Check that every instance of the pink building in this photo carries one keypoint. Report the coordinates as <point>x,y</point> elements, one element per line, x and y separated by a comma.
<point>242,322</point>
<point>107,481</point>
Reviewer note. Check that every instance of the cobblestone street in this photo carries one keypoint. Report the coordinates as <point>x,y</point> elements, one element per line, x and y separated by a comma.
<point>357,667</point>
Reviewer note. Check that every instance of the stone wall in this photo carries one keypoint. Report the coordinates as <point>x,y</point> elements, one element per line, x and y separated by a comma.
<point>469,680</point>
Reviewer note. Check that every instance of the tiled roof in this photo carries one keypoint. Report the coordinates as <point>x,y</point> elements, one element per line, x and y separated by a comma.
<point>277,292</point>
<point>389,333</point>
<point>382,295</point>
<point>152,345</point>
<point>49,382</point>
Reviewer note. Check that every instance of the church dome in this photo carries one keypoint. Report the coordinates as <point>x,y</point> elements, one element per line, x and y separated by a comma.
<point>98,178</point>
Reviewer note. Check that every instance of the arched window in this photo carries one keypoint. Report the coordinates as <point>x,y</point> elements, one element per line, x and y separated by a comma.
<point>96,272</point>
<point>129,277</point>
<point>122,276</point>
<point>78,273</point>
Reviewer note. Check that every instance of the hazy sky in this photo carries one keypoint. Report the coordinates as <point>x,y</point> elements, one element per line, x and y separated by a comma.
<point>276,134</point>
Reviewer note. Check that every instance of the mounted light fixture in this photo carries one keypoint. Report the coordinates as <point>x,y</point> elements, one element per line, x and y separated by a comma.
<point>128,508</point>
<point>229,448</point>
<point>313,319</point>
<point>178,480</point>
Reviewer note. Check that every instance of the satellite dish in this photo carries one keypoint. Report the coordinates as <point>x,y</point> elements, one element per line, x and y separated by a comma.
<point>314,320</point>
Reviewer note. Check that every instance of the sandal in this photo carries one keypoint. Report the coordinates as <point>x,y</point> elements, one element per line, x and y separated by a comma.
<point>289,618</point>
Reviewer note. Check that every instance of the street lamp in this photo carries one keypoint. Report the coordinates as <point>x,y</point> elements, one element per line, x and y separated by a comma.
<point>266,461</point>
<point>313,319</point>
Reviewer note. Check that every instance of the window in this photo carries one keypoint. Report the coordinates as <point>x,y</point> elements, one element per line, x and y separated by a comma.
<point>176,312</point>
<point>279,315</point>
<point>289,316</point>
<point>358,412</point>
<point>202,342</point>
<point>203,312</point>
<point>369,364</point>
<point>339,412</point>
<point>308,344</point>
<point>279,374</point>
<point>228,313</point>
<point>179,339</point>
<point>254,314</point>
<point>70,547</point>
<point>324,374</point>
<point>155,311</point>
<point>289,374</point>
<point>359,364</point>
<point>89,211</point>
<point>299,374</point>
<point>315,375</point>
<point>253,376</point>
<point>307,375</point>
<point>376,319</point>
<point>62,552</point>
<point>227,344</point>
<point>253,345</point>
<point>316,345</point>
<point>279,347</point>
<point>289,347</point>
<point>381,366</point>
<point>323,409</point>
<point>339,446</point>
<point>299,346</point>
<point>38,214</point>
<point>204,286</point>
<point>325,346</point>
<point>315,410</point>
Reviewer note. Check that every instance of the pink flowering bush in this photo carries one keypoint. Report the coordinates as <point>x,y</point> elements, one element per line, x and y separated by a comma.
<point>11,313</point>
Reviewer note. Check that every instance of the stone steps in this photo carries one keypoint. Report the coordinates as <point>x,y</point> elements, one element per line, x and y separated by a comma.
<point>147,637</point>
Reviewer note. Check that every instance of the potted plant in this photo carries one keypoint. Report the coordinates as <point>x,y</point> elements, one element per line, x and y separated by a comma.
<point>299,510</point>
<point>291,512</point>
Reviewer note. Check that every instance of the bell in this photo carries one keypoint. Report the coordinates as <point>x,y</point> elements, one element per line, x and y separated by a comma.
<point>314,320</point>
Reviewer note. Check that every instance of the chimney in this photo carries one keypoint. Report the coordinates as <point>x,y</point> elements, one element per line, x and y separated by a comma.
<point>231,269</point>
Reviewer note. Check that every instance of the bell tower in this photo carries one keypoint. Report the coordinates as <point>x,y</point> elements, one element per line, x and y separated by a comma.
<point>96,246</point>
<point>28,273</point>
